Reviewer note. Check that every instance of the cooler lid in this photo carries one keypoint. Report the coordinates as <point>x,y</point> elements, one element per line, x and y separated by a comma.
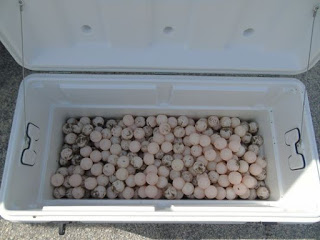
<point>217,36</point>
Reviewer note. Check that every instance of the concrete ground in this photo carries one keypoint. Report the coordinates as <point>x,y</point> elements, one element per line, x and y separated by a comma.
<point>10,78</point>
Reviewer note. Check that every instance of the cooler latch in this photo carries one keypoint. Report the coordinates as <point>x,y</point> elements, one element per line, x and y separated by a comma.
<point>296,160</point>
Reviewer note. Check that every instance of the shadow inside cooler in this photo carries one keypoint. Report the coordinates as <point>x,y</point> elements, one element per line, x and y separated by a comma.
<point>276,105</point>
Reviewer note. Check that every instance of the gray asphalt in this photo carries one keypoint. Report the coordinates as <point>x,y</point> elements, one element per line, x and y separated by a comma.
<point>10,78</point>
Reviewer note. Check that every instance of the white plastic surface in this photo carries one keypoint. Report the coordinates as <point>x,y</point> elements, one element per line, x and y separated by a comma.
<point>225,36</point>
<point>26,194</point>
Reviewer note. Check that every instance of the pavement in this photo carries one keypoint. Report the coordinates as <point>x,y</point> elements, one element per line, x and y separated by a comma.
<point>10,78</point>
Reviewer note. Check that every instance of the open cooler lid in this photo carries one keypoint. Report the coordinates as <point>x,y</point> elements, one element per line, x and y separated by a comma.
<point>224,36</point>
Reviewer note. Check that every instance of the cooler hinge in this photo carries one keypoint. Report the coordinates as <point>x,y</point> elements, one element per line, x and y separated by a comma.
<point>315,10</point>
<point>21,3</point>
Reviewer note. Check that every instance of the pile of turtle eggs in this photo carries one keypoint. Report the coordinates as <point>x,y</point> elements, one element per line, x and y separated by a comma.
<point>161,157</point>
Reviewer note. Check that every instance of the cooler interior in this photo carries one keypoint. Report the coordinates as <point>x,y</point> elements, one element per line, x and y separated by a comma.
<point>276,104</point>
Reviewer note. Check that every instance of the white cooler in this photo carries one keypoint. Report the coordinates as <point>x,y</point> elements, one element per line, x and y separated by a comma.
<point>179,39</point>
